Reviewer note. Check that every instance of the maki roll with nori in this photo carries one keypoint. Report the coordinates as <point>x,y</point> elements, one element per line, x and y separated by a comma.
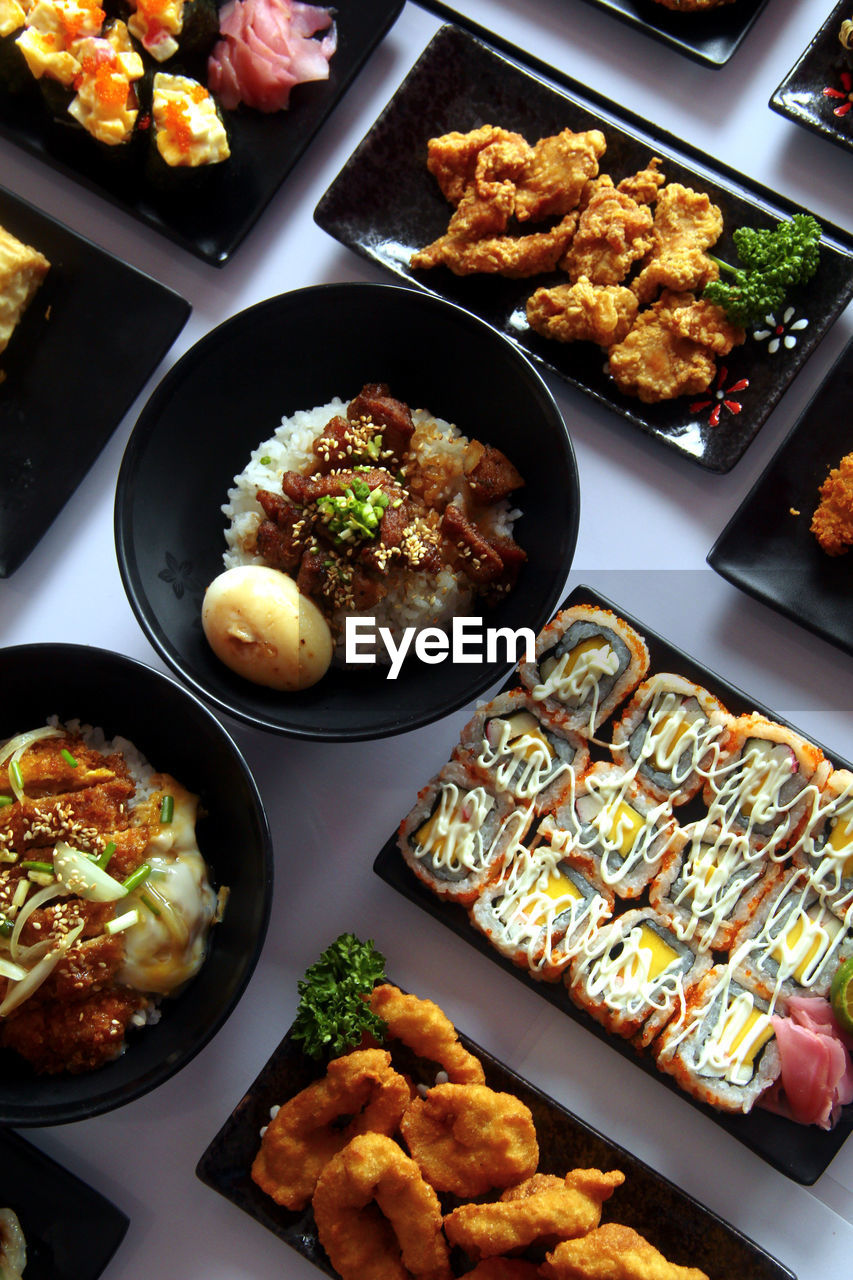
<point>187,132</point>
<point>14,73</point>
<point>827,844</point>
<point>766,782</point>
<point>713,886</point>
<point>454,835</point>
<point>542,909</point>
<point>793,944</point>
<point>635,975</point>
<point>587,661</point>
<point>106,103</point>
<point>52,29</point>
<point>517,751</point>
<point>670,734</point>
<point>165,27</point>
<point>722,1048</point>
<point>616,831</point>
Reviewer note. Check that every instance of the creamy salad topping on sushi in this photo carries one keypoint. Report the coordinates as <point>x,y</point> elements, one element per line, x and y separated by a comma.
<point>686,873</point>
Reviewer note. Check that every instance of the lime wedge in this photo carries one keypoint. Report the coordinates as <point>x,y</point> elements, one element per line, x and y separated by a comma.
<point>841,995</point>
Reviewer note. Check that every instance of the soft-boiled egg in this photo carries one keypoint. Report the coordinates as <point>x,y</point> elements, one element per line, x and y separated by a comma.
<point>260,625</point>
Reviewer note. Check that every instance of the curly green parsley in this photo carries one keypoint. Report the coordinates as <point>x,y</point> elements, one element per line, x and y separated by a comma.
<point>333,1014</point>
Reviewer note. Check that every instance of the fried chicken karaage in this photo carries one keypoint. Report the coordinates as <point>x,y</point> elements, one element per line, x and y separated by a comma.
<point>613,1252</point>
<point>613,232</point>
<point>686,224</point>
<point>656,361</point>
<point>832,521</point>
<point>583,312</point>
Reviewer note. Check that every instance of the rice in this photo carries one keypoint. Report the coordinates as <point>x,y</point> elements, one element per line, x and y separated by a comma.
<point>414,599</point>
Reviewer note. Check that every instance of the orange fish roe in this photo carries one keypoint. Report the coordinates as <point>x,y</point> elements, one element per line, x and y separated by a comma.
<point>177,124</point>
<point>110,86</point>
<point>73,24</point>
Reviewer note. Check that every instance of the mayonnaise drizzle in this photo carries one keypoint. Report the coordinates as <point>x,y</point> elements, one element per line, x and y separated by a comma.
<point>527,913</point>
<point>455,839</point>
<point>598,811</point>
<point>524,764</point>
<point>717,869</point>
<point>722,1054</point>
<point>800,939</point>
<point>576,687</point>
<point>620,976</point>
<point>674,743</point>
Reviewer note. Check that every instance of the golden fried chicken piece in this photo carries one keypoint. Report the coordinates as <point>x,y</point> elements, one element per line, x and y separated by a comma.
<point>541,1210</point>
<point>701,321</point>
<point>685,225</point>
<point>583,312</point>
<point>832,522</point>
<point>514,256</point>
<point>644,185</point>
<point>454,158</point>
<point>556,173</point>
<point>613,232</point>
<point>613,1252</point>
<point>656,362</point>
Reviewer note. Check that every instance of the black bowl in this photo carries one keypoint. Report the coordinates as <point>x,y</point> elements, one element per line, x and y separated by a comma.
<point>231,391</point>
<point>178,735</point>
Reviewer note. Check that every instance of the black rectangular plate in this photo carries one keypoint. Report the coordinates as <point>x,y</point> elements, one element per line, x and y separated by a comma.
<point>90,339</point>
<point>801,1152</point>
<point>677,1224</point>
<point>710,37</point>
<point>211,217</point>
<point>384,204</point>
<point>816,92</point>
<point>767,550</point>
<point>71,1230</point>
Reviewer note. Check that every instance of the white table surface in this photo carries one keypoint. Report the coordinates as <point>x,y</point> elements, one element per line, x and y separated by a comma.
<point>143,1156</point>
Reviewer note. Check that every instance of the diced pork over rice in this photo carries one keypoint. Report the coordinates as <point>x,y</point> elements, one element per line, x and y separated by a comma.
<point>433,473</point>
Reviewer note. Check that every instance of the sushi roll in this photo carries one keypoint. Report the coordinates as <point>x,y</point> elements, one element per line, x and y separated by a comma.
<point>22,270</point>
<point>454,835</point>
<point>187,132</point>
<point>713,886</point>
<point>48,42</point>
<point>617,832</point>
<point>516,751</point>
<point>587,660</point>
<point>670,734</point>
<point>827,845</point>
<point>541,910</point>
<point>765,783</point>
<point>722,1049</point>
<point>793,944</point>
<point>635,975</point>
<point>165,27</point>
<point>105,103</point>
<point>14,73</point>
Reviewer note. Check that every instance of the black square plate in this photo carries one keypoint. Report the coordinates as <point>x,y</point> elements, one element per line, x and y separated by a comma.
<point>802,1152</point>
<point>210,218</point>
<point>818,90</point>
<point>71,1230</point>
<point>710,37</point>
<point>384,204</point>
<point>90,339</point>
<point>676,1223</point>
<point>767,550</point>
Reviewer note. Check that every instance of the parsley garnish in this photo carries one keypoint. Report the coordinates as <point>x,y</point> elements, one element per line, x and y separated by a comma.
<point>333,1014</point>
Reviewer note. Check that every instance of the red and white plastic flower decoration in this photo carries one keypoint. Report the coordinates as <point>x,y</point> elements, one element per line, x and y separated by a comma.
<point>845,94</point>
<point>721,397</point>
<point>781,333</point>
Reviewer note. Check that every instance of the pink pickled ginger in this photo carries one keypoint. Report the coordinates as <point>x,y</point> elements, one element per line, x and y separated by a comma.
<point>816,1079</point>
<point>267,47</point>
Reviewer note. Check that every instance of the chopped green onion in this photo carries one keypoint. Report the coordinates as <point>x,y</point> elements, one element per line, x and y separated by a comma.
<point>6,927</point>
<point>4,800</point>
<point>137,877</point>
<point>155,911</point>
<point>38,866</point>
<point>109,850</point>
<point>15,776</point>
<point>68,758</point>
<point>120,923</point>
<point>265,460</point>
<point>43,878</point>
<point>8,855</point>
<point>167,808</point>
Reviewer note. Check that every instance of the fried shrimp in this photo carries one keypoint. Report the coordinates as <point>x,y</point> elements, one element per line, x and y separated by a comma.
<point>468,1139</point>
<point>613,1252</point>
<point>542,1210</point>
<point>307,1131</point>
<point>428,1032</point>
<point>376,1217</point>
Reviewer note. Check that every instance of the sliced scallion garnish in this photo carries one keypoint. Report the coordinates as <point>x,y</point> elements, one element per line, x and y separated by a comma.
<point>68,758</point>
<point>137,877</point>
<point>167,808</point>
<point>4,800</point>
<point>109,850</point>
